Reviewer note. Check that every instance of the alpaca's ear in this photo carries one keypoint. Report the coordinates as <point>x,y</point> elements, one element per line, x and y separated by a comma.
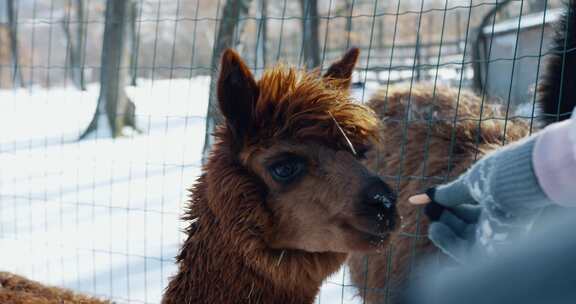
<point>237,93</point>
<point>342,69</point>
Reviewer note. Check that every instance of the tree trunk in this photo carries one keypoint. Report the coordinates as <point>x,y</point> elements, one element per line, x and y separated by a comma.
<point>262,34</point>
<point>134,42</point>
<point>348,26</point>
<point>80,44</point>
<point>381,34</point>
<point>232,13</point>
<point>535,6</point>
<point>114,108</point>
<point>75,46</point>
<point>310,40</point>
<point>418,56</point>
<point>17,78</point>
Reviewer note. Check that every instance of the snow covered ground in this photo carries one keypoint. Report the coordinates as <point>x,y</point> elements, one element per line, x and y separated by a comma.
<point>101,216</point>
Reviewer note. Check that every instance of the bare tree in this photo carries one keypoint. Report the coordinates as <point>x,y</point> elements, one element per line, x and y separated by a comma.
<point>230,22</point>
<point>349,7</point>
<point>114,108</point>
<point>75,44</point>
<point>310,40</point>
<point>535,6</point>
<point>381,33</point>
<point>135,9</point>
<point>262,33</point>
<point>12,13</point>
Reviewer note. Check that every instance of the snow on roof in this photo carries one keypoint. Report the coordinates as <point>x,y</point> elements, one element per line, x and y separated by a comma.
<point>523,22</point>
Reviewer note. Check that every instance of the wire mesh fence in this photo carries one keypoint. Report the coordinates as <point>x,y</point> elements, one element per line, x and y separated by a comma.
<point>101,215</point>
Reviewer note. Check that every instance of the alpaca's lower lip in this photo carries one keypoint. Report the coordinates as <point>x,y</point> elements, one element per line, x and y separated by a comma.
<point>370,233</point>
<point>376,238</point>
<point>376,225</point>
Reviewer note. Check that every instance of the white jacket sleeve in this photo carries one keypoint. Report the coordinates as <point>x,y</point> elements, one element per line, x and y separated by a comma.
<point>554,161</point>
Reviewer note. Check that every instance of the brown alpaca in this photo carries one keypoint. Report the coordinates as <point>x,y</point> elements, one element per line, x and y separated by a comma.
<point>283,196</point>
<point>18,290</point>
<point>418,133</point>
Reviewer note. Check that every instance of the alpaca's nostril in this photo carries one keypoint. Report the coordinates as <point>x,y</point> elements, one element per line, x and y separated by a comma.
<point>384,200</point>
<point>378,194</point>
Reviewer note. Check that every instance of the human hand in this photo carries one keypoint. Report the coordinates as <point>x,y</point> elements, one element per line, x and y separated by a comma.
<point>497,199</point>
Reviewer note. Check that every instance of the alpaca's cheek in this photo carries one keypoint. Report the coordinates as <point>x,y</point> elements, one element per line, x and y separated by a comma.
<point>308,237</point>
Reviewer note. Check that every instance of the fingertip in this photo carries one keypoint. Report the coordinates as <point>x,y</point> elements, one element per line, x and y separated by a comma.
<point>419,199</point>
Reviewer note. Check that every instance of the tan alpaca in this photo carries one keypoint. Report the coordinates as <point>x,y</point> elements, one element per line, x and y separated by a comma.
<point>423,144</point>
<point>18,290</point>
<point>431,135</point>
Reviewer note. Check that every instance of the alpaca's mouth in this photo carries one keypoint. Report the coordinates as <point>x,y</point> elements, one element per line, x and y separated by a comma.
<point>376,235</point>
<point>376,221</point>
<point>372,234</point>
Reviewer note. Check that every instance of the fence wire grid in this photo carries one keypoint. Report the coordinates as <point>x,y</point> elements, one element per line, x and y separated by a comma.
<point>101,215</point>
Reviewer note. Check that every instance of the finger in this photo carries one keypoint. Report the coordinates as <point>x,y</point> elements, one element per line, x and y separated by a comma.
<point>468,213</point>
<point>420,199</point>
<point>448,242</point>
<point>434,211</point>
<point>457,225</point>
<point>452,194</point>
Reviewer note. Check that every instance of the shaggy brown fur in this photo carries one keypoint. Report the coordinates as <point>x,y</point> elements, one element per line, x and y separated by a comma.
<point>253,239</point>
<point>18,290</point>
<point>424,146</point>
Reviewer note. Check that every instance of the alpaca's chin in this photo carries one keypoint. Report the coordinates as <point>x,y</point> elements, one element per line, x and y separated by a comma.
<point>365,240</point>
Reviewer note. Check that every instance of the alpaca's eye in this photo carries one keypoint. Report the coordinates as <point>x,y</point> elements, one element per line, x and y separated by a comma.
<point>361,152</point>
<point>287,170</point>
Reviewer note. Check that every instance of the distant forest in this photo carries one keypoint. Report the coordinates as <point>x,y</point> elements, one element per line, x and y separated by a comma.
<point>47,42</point>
